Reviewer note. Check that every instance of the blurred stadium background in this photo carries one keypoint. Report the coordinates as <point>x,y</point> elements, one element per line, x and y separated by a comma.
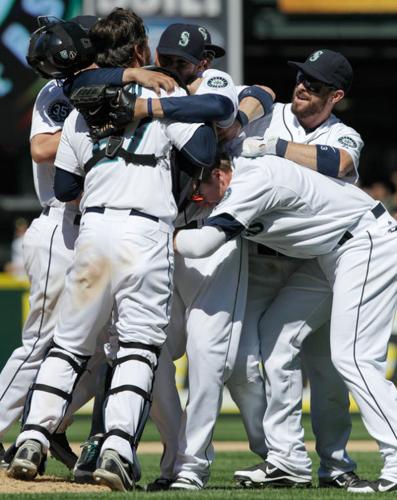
<point>260,36</point>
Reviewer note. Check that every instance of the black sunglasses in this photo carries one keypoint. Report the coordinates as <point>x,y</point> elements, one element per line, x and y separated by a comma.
<point>311,84</point>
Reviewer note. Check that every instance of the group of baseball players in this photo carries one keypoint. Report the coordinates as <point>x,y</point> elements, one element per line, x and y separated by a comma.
<point>220,224</point>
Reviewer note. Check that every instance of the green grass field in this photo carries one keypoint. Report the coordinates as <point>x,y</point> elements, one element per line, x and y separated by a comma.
<point>221,485</point>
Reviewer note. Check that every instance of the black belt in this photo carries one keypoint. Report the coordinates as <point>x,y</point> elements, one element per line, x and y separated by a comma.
<point>101,210</point>
<point>377,211</point>
<point>77,217</point>
<point>264,250</point>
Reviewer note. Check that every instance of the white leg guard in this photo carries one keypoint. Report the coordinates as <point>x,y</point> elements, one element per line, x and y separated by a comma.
<point>128,404</point>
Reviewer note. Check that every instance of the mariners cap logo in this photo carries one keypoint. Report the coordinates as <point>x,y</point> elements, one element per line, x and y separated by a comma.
<point>204,32</point>
<point>316,55</point>
<point>184,39</point>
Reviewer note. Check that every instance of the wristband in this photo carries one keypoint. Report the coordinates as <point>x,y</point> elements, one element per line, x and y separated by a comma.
<point>260,94</point>
<point>242,118</point>
<point>281,147</point>
<point>149,107</point>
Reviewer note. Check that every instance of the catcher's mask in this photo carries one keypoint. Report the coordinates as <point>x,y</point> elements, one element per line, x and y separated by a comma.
<point>58,49</point>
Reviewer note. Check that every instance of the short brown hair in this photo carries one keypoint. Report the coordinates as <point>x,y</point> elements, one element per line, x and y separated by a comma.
<point>116,37</point>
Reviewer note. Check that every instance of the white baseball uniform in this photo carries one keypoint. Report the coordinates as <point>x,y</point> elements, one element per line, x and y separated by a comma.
<point>123,259</point>
<point>303,214</point>
<point>48,250</point>
<point>267,275</point>
<point>206,320</point>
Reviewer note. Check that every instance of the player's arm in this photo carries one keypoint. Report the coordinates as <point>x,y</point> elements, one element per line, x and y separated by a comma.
<point>119,77</point>
<point>201,243</point>
<point>188,109</point>
<point>254,102</point>
<point>69,174</point>
<point>43,147</point>
<point>328,160</point>
<point>67,185</point>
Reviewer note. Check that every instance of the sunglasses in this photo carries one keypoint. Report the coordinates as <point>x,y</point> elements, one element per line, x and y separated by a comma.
<point>311,84</point>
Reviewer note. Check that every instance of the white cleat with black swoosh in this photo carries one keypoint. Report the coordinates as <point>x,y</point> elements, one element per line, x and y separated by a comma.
<point>378,486</point>
<point>267,474</point>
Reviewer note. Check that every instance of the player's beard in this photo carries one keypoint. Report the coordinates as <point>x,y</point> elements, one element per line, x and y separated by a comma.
<point>314,105</point>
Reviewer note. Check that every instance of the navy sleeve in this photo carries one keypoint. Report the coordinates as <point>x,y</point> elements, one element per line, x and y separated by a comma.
<point>201,148</point>
<point>229,225</point>
<point>67,186</point>
<point>99,76</point>
<point>258,93</point>
<point>197,108</point>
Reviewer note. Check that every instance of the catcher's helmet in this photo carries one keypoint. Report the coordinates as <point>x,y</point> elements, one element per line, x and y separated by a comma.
<point>60,48</point>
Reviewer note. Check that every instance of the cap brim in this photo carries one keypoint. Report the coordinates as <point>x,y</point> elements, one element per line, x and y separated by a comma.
<point>86,22</point>
<point>167,51</point>
<point>308,70</point>
<point>218,51</point>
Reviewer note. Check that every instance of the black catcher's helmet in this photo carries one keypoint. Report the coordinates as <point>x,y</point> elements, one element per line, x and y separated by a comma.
<point>59,48</point>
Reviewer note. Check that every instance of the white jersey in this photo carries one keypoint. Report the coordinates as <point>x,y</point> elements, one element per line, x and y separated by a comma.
<point>295,211</point>
<point>281,122</point>
<point>220,83</point>
<point>114,184</point>
<point>50,110</point>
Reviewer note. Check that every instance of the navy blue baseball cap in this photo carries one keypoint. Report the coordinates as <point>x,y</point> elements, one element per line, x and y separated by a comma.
<point>328,67</point>
<point>182,40</point>
<point>209,46</point>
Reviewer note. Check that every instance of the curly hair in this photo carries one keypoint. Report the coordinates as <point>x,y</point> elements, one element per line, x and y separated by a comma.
<point>117,37</point>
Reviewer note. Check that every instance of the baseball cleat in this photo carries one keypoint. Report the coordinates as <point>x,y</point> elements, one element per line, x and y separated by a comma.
<point>61,451</point>
<point>378,486</point>
<point>184,483</point>
<point>266,474</point>
<point>27,462</point>
<point>344,480</point>
<point>87,462</point>
<point>115,472</point>
<point>159,484</point>
<point>7,457</point>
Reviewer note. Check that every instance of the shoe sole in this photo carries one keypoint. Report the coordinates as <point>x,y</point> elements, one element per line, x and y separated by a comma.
<point>22,469</point>
<point>112,481</point>
<point>247,482</point>
<point>190,487</point>
<point>83,477</point>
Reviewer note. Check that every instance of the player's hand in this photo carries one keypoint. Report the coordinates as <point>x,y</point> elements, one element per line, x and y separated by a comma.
<point>195,85</point>
<point>229,133</point>
<point>256,146</point>
<point>150,79</point>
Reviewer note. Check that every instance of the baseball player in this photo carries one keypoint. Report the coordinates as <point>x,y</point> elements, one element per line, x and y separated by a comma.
<point>48,247</point>
<point>303,214</point>
<point>250,394</point>
<point>316,139</point>
<point>214,94</point>
<point>123,255</point>
<point>197,327</point>
<point>49,242</point>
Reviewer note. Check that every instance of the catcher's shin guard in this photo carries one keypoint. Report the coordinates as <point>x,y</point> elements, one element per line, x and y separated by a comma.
<point>137,362</point>
<point>52,391</point>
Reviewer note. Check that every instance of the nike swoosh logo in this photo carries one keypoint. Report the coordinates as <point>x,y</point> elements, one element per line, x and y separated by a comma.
<point>382,489</point>
<point>269,470</point>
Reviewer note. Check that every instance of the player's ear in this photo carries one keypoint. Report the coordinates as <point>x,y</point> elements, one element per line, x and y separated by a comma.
<point>337,96</point>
